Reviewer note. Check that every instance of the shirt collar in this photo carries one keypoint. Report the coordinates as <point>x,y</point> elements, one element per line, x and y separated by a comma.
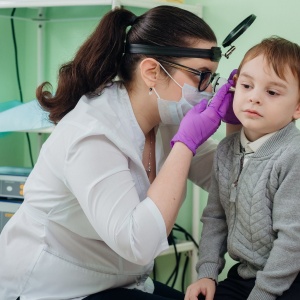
<point>253,146</point>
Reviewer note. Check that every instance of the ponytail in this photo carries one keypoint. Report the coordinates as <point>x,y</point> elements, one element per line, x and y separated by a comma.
<point>94,66</point>
<point>101,58</point>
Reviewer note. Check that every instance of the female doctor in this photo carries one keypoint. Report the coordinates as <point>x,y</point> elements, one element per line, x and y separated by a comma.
<point>107,186</point>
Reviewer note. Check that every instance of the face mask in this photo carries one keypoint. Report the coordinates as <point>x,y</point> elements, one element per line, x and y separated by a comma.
<point>172,112</point>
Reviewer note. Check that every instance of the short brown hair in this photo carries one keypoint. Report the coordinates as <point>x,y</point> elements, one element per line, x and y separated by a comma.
<point>279,53</point>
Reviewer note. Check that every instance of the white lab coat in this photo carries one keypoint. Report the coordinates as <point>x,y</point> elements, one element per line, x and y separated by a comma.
<point>86,223</point>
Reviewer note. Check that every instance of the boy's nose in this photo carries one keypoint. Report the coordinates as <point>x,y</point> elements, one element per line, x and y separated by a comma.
<point>254,98</point>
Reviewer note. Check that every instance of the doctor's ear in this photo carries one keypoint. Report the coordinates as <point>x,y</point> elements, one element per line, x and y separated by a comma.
<point>150,70</point>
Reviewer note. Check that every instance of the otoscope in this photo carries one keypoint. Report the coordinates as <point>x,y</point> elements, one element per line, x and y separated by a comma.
<point>218,82</point>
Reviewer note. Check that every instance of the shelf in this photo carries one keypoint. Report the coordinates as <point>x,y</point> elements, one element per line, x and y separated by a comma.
<point>38,130</point>
<point>195,8</point>
<point>183,246</point>
<point>51,3</point>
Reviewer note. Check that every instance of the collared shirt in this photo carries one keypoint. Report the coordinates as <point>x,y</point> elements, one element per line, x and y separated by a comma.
<point>86,224</point>
<point>250,147</point>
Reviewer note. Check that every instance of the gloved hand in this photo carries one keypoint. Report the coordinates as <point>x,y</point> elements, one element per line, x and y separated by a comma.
<point>229,116</point>
<point>202,121</point>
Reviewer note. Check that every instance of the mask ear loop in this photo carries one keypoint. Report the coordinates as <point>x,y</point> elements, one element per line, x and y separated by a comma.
<point>154,90</point>
<point>170,77</point>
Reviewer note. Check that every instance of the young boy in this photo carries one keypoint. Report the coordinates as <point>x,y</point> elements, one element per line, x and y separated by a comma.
<point>253,209</point>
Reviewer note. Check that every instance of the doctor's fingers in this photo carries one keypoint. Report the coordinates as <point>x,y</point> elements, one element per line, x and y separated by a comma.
<point>221,98</point>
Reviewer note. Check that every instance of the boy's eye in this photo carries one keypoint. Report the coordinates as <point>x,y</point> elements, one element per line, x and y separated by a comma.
<point>246,86</point>
<point>272,93</point>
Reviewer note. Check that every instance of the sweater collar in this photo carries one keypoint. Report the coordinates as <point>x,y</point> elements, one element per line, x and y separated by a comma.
<point>269,146</point>
<point>251,147</point>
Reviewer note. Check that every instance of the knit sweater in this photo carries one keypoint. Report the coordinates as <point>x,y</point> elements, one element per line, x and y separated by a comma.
<point>253,212</point>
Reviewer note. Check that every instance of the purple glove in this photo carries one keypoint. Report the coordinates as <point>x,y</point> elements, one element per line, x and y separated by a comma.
<point>229,116</point>
<point>201,121</point>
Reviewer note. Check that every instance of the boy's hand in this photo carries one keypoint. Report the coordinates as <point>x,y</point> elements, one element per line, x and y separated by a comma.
<point>204,286</point>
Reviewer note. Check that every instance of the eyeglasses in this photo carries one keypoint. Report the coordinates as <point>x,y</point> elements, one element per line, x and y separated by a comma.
<point>205,79</point>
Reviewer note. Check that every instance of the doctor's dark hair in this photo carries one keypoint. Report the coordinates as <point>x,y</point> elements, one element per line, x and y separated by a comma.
<point>101,57</point>
<point>279,54</point>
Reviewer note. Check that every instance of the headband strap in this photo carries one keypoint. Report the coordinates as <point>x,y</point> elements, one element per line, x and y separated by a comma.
<point>214,53</point>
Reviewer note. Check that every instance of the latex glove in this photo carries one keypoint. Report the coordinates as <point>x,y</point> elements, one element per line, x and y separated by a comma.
<point>230,117</point>
<point>202,121</point>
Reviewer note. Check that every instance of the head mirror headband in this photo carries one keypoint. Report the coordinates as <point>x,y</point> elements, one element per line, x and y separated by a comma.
<point>214,53</point>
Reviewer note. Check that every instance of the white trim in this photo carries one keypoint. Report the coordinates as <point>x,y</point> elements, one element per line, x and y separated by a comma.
<point>181,246</point>
<point>50,3</point>
<point>196,8</point>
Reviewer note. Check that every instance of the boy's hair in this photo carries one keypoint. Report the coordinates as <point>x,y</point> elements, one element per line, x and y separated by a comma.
<point>279,53</point>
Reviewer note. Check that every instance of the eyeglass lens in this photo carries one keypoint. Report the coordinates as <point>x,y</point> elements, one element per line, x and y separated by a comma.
<point>205,77</point>
<point>205,80</point>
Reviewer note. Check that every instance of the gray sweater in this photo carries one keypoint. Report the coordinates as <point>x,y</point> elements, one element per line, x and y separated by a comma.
<point>253,212</point>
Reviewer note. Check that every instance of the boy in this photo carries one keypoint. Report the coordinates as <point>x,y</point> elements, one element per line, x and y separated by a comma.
<point>253,209</point>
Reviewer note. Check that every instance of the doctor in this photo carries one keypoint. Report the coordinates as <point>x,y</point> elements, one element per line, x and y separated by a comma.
<point>107,187</point>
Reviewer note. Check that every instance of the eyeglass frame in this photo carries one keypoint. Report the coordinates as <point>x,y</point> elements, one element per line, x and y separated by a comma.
<point>193,71</point>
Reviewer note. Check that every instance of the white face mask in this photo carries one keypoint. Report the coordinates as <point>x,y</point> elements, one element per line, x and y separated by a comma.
<point>172,112</point>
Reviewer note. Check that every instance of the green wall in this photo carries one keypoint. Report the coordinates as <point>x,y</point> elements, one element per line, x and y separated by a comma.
<point>64,32</point>
<point>8,91</point>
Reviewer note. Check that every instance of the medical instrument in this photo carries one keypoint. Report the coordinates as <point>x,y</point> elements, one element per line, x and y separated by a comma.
<point>218,82</point>
<point>12,180</point>
<point>214,54</point>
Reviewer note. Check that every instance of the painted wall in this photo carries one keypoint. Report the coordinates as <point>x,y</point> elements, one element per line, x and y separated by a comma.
<point>8,91</point>
<point>64,32</point>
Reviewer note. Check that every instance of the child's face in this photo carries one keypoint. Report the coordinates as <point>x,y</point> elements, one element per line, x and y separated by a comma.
<point>263,102</point>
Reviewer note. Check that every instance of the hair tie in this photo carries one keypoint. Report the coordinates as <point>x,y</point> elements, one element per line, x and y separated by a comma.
<point>132,20</point>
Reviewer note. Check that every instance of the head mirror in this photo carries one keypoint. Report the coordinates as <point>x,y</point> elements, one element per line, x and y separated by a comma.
<point>236,32</point>
<point>214,54</point>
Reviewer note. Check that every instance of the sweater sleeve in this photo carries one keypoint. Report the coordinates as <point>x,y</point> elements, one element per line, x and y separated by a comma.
<point>213,243</point>
<point>283,263</point>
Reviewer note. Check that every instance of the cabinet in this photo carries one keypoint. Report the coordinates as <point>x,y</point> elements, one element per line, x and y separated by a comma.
<point>39,7</point>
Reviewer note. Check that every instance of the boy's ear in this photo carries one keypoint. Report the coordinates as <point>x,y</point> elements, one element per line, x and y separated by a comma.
<point>150,69</point>
<point>296,114</point>
<point>235,78</point>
